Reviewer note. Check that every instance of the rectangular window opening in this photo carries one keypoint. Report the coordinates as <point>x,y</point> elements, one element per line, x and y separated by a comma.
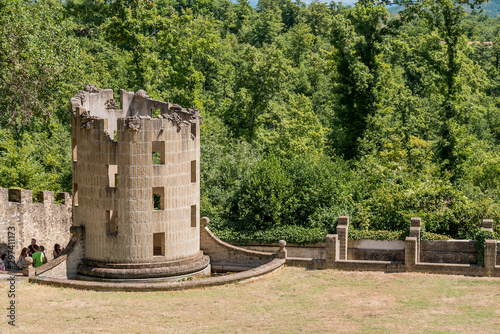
<point>158,148</point>
<point>193,129</point>
<point>112,181</point>
<point>75,194</point>
<point>73,148</point>
<point>193,215</point>
<point>155,113</point>
<point>158,244</point>
<point>112,221</point>
<point>158,198</point>
<point>193,170</point>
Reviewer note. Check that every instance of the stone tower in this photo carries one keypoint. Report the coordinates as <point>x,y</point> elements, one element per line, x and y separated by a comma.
<point>136,185</point>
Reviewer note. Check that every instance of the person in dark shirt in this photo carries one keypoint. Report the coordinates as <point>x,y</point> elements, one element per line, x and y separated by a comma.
<point>57,250</point>
<point>31,249</point>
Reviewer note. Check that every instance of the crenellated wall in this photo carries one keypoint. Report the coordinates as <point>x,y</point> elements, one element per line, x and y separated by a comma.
<point>47,222</point>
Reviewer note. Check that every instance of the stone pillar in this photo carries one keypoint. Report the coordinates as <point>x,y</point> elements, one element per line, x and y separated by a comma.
<point>410,253</point>
<point>490,255</point>
<point>488,224</point>
<point>415,224</point>
<point>332,250</point>
<point>343,232</point>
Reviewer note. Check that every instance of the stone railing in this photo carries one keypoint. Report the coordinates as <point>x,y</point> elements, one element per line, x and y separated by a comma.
<point>412,255</point>
<point>226,257</point>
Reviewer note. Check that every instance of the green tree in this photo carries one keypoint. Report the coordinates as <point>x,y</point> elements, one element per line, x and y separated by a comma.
<point>260,76</point>
<point>445,17</point>
<point>38,62</point>
<point>296,129</point>
<point>357,34</point>
<point>267,25</point>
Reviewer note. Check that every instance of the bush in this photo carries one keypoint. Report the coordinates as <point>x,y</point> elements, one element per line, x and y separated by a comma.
<point>305,192</point>
<point>377,235</point>
<point>291,234</point>
<point>481,236</point>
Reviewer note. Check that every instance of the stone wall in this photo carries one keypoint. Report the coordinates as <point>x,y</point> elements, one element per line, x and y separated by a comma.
<point>226,257</point>
<point>449,251</point>
<point>47,222</point>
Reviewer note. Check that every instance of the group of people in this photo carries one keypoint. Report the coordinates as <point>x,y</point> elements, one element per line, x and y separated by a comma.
<point>37,253</point>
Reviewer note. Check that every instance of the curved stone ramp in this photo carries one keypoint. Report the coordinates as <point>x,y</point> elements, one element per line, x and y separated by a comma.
<point>240,277</point>
<point>64,266</point>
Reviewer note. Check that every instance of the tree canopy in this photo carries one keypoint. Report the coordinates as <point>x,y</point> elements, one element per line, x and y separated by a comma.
<point>310,111</point>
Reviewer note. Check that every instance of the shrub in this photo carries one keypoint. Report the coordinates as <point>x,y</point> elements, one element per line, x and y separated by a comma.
<point>481,236</point>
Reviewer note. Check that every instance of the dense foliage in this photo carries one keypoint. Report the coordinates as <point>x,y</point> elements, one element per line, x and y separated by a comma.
<point>310,111</point>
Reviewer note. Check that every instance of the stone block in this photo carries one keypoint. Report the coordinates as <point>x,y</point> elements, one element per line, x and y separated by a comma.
<point>415,222</point>
<point>488,224</point>
<point>46,197</point>
<point>343,221</point>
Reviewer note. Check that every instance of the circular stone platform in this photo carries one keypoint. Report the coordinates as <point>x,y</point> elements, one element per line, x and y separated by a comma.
<point>199,274</point>
<point>240,277</point>
<point>197,265</point>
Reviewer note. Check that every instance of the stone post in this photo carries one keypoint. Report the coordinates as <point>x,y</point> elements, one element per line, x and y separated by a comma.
<point>410,253</point>
<point>488,224</point>
<point>204,222</point>
<point>31,272</point>
<point>332,250</point>
<point>490,255</point>
<point>343,232</point>
<point>415,224</point>
<point>282,250</point>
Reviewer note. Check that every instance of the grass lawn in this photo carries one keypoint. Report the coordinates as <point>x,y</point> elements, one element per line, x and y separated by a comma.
<point>293,300</point>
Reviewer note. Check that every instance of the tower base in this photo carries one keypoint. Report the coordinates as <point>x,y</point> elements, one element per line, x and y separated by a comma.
<point>189,267</point>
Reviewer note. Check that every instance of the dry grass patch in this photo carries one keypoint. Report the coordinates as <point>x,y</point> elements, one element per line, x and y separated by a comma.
<point>291,301</point>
